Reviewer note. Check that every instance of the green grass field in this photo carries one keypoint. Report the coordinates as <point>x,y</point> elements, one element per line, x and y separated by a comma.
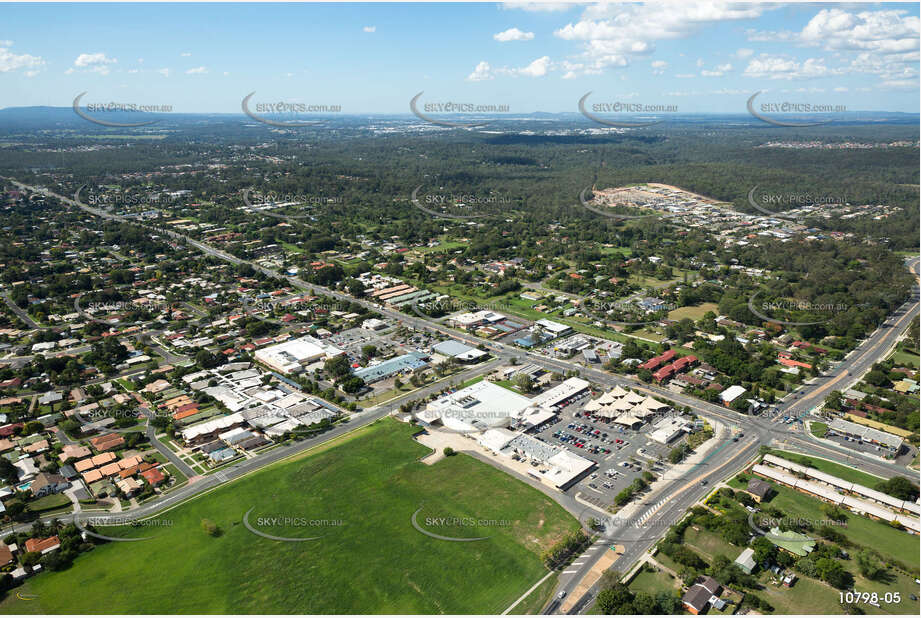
<point>829,467</point>
<point>906,359</point>
<point>375,562</point>
<point>818,429</point>
<point>695,313</point>
<point>534,602</point>
<point>654,583</point>
<point>811,596</point>
<point>861,530</point>
<point>709,544</point>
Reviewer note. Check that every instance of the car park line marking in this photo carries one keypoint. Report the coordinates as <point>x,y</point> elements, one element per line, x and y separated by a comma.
<point>567,572</point>
<point>576,563</point>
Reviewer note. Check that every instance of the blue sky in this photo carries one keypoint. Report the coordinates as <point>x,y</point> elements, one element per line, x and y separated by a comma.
<point>702,57</point>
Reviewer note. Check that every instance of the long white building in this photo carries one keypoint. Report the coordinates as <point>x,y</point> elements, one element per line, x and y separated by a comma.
<point>292,356</point>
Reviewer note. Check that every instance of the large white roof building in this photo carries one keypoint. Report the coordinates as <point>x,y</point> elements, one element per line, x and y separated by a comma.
<point>292,356</point>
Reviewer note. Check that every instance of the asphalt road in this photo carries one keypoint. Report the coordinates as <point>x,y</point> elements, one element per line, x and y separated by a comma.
<point>668,504</point>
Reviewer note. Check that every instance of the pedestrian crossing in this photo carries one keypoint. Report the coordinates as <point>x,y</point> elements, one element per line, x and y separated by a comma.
<point>638,523</point>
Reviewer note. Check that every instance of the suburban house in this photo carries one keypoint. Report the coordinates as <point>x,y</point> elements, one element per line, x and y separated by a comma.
<point>758,489</point>
<point>43,545</point>
<point>746,560</point>
<point>45,484</point>
<point>704,593</point>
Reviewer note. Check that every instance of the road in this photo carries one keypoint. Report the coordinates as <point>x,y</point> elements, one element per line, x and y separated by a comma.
<point>205,483</point>
<point>669,503</point>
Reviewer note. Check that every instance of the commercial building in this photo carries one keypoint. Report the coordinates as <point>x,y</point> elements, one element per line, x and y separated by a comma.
<point>731,394</point>
<point>294,355</point>
<point>554,328</point>
<point>478,407</point>
<point>461,352</point>
<point>669,428</point>
<point>410,362</point>
<point>827,492</point>
<point>564,391</point>
<point>891,442</point>
<point>556,467</point>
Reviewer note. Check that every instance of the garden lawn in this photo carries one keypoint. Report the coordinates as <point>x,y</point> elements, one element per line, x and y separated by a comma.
<point>534,602</point>
<point>654,583</point>
<point>829,467</point>
<point>375,562</point>
<point>709,544</point>
<point>860,530</point>
<point>818,429</point>
<point>695,313</point>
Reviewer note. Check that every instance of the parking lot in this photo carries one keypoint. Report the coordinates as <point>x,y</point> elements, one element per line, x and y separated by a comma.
<point>856,444</point>
<point>622,454</point>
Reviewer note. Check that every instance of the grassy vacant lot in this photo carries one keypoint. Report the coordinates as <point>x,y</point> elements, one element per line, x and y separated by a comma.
<point>375,562</point>
<point>861,530</point>
<point>534,602</point>
<point>829,467</point>
<point>811,596</point>
<point>709,544</point>
<point>906,358</point>
<point>654,583</point>
<point>695,313</point>
<point>818,429</point>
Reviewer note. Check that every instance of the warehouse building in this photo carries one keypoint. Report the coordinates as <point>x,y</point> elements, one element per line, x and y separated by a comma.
<point>291,357</point>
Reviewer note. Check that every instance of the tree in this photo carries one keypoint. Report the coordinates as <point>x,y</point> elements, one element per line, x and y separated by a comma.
<point>8,471</point>
<point>833,401</point>
<point>338,366</point>
<point>616,600</point>
<point>832,572</point>
<point>869,564</point>
<point>524,383</point>
<point>352,384</point>
<point>899,487</point>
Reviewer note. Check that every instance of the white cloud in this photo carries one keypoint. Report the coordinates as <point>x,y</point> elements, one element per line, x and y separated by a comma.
<point>513,34</point>
<point>841,89</point>
<point>226,73</point>
<point>744,52</point>
<point>95,63</point>
<point>480,73</point>
<point>185,54</point>
<point>658,67</point>
<point>785,67</point>
<point>13,62</point>
<point>87,60</point>
<point>900,84</point>
<point>700,62</point>
<point>885,42</point>
<point>197,71</point>
<point>719,71</point>
<point>888,31</point>
<point>539,7</point>
<point>615,30</point>
<point>369,29</point>
<point>685,75</point>
<point>163,72</point>
<point>538,68</point>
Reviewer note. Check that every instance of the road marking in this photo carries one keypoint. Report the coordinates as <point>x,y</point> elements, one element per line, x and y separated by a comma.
<point>568,572</point>
<point>576,563</point>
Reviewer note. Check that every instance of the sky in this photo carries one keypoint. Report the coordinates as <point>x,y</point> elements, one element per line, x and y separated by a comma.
<point>374,57</point>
